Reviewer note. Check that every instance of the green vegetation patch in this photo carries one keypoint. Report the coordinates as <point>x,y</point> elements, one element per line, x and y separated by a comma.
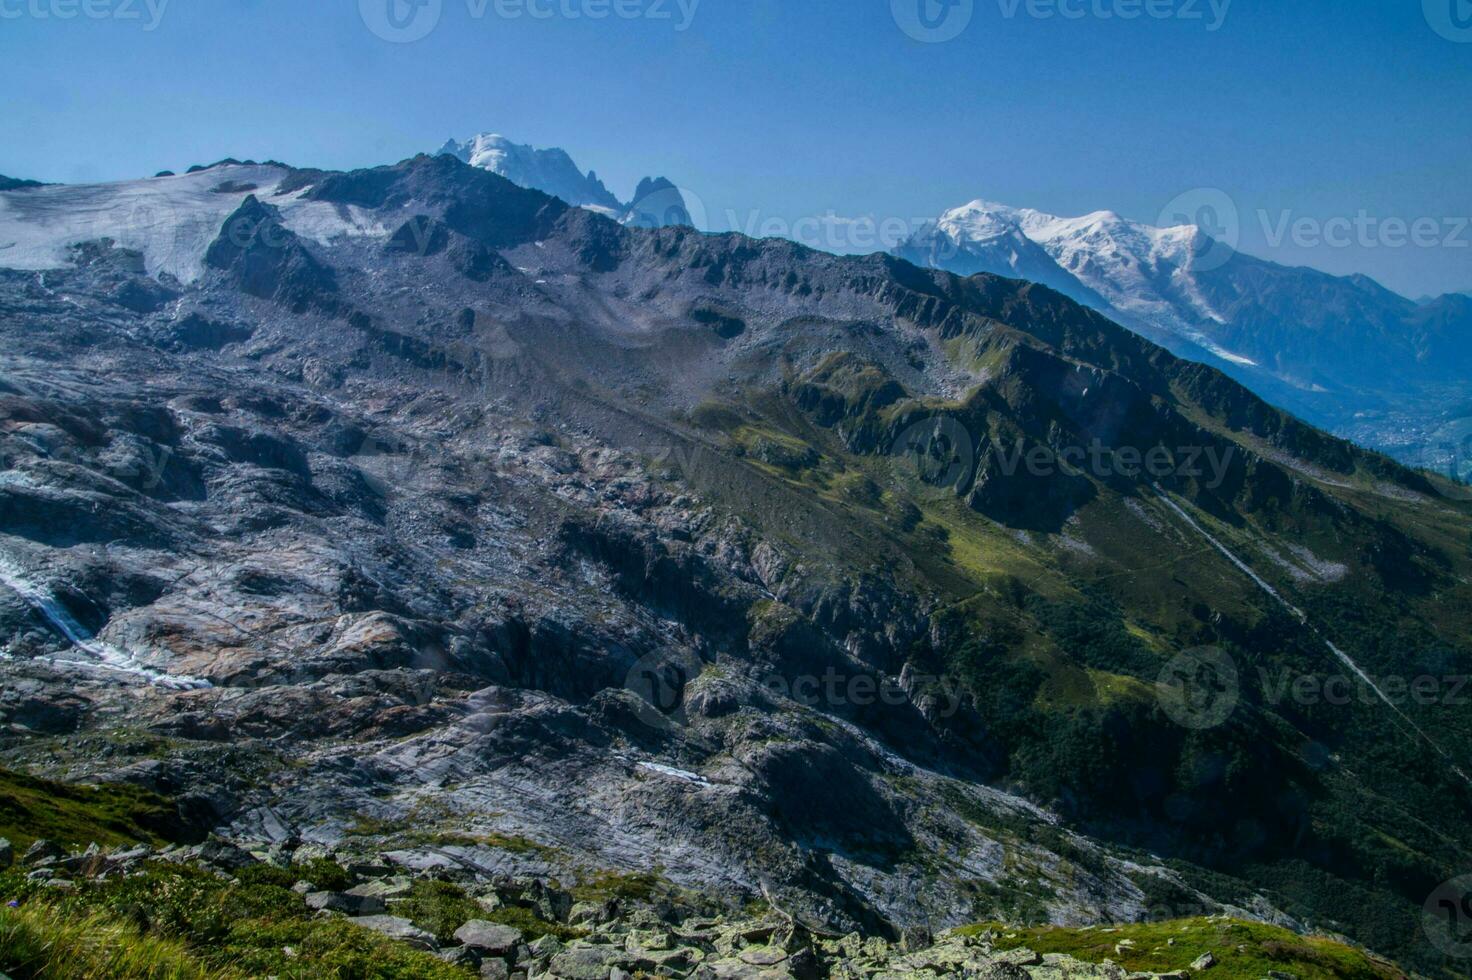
<point>427,825</point>
<point>638,887</point>
<point>172,921</point>
<point>75,816</point>
<point>441,907</point>
<point>1242,950</point>
<point>39,943</point>
<point>510,843</point>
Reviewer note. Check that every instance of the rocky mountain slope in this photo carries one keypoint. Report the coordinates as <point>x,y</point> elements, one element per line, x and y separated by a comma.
<point>1343,352</point>
<point>409,498</point>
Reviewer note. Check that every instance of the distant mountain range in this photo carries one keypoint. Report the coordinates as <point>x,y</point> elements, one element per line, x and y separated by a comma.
<point>1431,299</point>
<point>1342,351</point>
<point>1297,326</point>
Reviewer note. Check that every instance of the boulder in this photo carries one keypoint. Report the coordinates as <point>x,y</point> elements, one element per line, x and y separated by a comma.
<point>762,955</point>
<point>1002,970</point>
<point>383,888</point>
<point>588,962</point>
<point>1204,962</point>
<point>664,961</point>
<point>649,939</point>
<point>542,950</point>
<point>916,938</point>
<point>460,956</point>
<point>582,913</point>
<point>396,928</point>
<point>133,855</point>
<point>345,903</point>
<point>550,904</point>
<point>804,964</point>
<point>1021,956</point>
<point>223,854</point>
<point>490,938</point>
<point>734,969</point>
<point>43,852</point>
<point>7,854</point>
<point>758,932</point>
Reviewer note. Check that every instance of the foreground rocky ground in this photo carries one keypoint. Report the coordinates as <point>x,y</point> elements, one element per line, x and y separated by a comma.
<point>462,922</point>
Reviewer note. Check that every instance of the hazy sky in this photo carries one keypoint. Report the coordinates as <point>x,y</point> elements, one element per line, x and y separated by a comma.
<point>1339,130</point>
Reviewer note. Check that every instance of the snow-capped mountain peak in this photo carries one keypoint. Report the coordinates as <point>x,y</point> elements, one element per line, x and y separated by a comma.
<point>552,171</point>
<point>1129,269</point>
<point>981,221</point>
<point>1183,288</point>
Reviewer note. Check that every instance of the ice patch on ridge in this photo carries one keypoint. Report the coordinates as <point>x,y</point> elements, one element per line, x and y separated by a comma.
<point>170,220</point>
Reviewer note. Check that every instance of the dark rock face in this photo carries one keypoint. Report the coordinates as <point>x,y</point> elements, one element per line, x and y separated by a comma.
<point>262,258</point>
<point>198,332</point>
<point>1011,490</point>
<point>819,795</point>
<point>570,546</point>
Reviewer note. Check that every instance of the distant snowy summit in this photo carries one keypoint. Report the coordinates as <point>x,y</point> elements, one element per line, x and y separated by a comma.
<point>656,202</point>
<point>1324,346</point>
<point>1136,272</point>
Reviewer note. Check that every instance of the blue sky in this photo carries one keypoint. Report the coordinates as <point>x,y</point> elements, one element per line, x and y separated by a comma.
<point>1302,111</point>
